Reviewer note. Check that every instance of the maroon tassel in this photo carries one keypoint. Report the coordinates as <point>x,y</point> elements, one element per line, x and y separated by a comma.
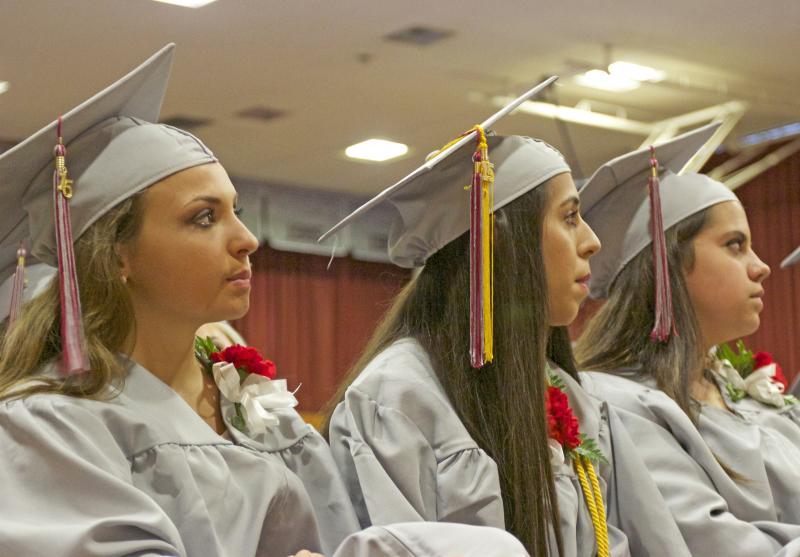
<point>665,320</point>
<point>18,286</point>
<point>475,268</point>
<point>73,344</point>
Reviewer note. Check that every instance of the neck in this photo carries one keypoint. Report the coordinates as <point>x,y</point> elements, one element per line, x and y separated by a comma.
<point>165,348</point>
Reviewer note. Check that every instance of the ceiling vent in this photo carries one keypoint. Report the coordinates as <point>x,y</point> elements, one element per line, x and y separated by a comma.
<point>186,122</point>
<point>419,36</point>
<point>263,113</point>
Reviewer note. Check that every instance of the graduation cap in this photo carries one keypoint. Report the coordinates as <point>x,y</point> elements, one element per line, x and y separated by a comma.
<point>107,149</point>
<point>791,259</point>
<point>457,190</point>
<point>633,199</point>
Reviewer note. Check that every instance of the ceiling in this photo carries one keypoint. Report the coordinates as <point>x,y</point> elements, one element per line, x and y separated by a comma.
<point>328,68</point>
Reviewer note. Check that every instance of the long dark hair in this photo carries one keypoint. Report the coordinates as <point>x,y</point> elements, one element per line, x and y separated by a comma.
<point>502,404</point>
<point>618,336</point>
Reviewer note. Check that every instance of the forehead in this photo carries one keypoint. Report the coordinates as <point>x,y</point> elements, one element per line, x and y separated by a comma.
<point>726,216</point>
<point>181,187</point>
<point>561,187</point>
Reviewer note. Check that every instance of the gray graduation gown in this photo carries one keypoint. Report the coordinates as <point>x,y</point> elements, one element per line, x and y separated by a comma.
<point>432,539</point>
<point>405,456</point>
<point>306,453</point>
<point>762,443</point>
<point>140,474</point>
<point>717,515</point>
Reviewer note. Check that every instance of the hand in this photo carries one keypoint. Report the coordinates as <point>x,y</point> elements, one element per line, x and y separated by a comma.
<point>307,553</point>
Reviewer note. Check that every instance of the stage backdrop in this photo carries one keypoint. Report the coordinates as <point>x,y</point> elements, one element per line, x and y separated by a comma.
<point>313,322</point>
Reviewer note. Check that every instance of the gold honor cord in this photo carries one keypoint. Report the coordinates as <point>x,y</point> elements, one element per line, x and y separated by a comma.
<point>594,500</point>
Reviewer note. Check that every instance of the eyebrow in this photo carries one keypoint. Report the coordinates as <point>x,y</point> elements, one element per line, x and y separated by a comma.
<point>574,200</point>
<point>211,199</point>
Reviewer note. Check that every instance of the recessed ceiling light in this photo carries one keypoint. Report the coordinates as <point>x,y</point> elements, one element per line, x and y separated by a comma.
<point>637,72</point>
<point>187,3</point>
<point>376,150</point>
<point>3,87</point>
<point>599,79</point>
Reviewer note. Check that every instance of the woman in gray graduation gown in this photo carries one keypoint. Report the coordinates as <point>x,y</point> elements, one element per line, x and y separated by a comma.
<point>420,434</point>
<point>728,472</point>
<point>113,439</point>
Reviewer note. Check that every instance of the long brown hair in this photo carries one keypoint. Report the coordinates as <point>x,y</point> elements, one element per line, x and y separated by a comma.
<point>501,404</point>
<point>618,335</point>
<point>34,340</point>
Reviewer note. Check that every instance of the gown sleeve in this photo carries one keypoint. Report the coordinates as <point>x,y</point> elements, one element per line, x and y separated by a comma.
<point>67,488</point>
<point>431,539</point>
<point>303,451</point>
<point>397,470</point>
<point>687,474</point>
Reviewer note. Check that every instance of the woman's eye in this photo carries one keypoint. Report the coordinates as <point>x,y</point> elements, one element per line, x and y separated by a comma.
<point>205,218</point>
<point>735,245</point>
<point>572,218</point>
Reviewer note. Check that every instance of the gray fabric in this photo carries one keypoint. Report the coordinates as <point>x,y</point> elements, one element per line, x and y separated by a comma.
<point>113,152</point>
<point>791,259</point>
<point>305,453</point>
<point>426,539</point>
<point>615,202</point>
<point>405,456</point>
<point>716,515</point>
<point>140,474</point>
<point>433,209</point>
<point>762,443</point>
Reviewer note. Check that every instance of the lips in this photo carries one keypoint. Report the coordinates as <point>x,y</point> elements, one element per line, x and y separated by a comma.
<point>242,275</point>
<point>584,279</point>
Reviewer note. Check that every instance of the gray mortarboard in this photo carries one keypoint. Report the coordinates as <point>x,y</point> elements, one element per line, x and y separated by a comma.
<point>433,208</point>
<point>113,151</point>
<point>615,202</point>
<point>791,259</point>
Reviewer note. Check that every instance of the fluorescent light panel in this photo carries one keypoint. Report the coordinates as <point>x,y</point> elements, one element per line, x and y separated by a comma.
<point>771,134</point>
<point>600,79</point>
<point>187,3</point>
<point>4,85</point>
<point>377,150</point>
<point>621,76</point>
<point>636,72</point>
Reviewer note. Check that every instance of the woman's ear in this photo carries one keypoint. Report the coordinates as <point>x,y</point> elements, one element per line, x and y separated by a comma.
<point>123,252</point>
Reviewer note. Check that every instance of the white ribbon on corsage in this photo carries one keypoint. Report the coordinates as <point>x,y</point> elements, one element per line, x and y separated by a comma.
<point>257,395</point>
<point>556,452</point>
<point>758,384</point>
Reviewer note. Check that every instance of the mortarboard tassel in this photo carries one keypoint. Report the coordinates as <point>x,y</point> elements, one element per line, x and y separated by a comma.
<point>73,344</point>
<point>18,286</point>
<point>481,250</point>
<point>664,321</point>
<point>481,255</point>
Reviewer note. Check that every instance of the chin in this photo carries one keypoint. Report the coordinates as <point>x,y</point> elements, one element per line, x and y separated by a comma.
<point>564,317</point>
<point>749,325</point>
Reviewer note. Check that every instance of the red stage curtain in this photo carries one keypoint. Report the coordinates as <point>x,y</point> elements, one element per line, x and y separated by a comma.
<point>772,202</point>
<point>313,322</point>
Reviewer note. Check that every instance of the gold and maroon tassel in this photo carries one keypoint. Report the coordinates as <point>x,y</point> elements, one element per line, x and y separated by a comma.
<point>18,286</point>
<point>73,343</point>
<point>481,251</point>
<point>664,324</point>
